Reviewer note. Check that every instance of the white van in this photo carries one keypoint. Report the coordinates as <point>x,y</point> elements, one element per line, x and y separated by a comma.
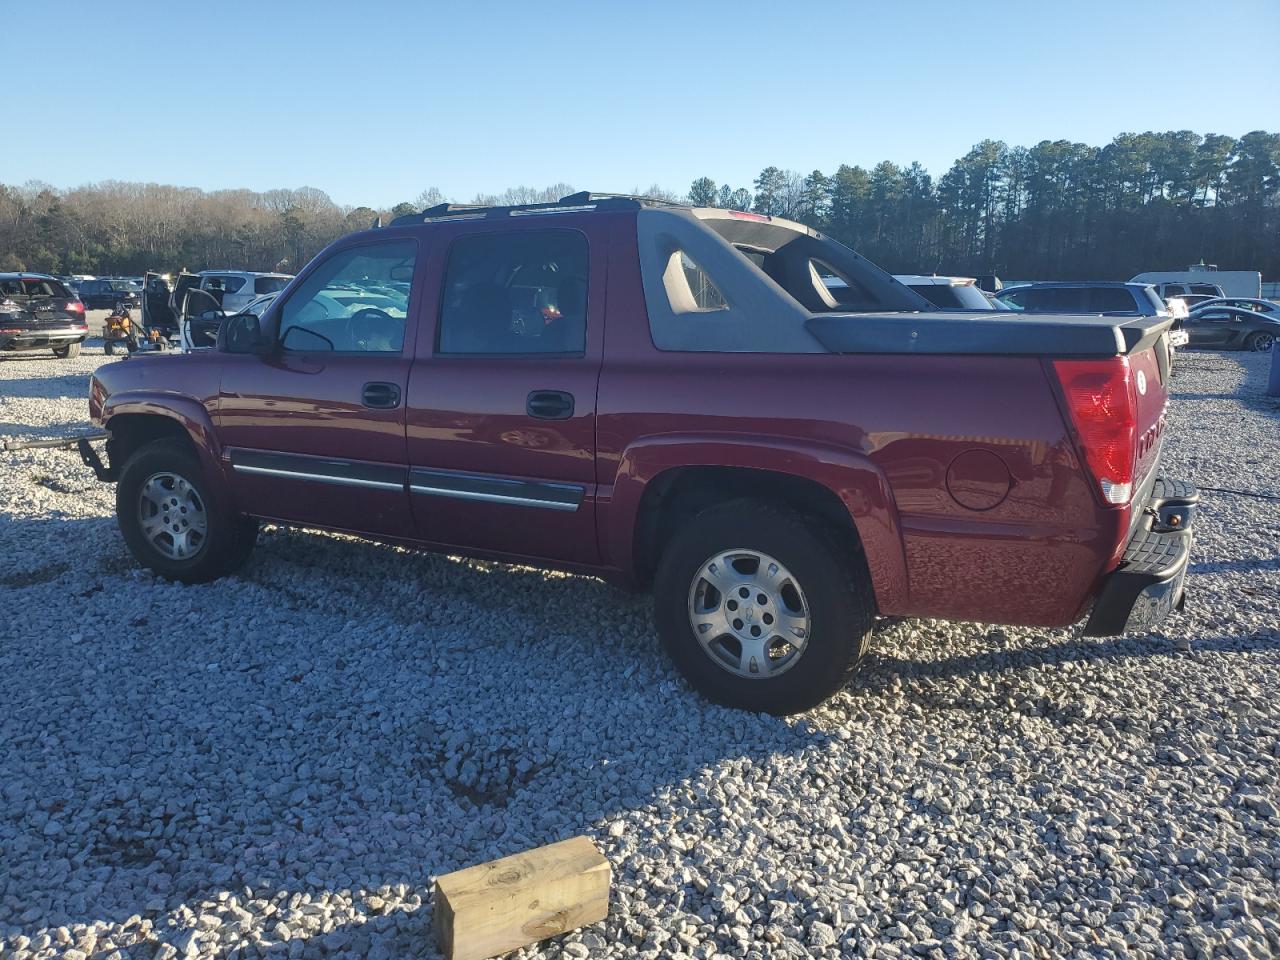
<point>1203,281</point>
<point>239,287</point>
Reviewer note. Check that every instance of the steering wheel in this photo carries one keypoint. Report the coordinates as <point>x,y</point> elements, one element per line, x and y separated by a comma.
<point>372,325</point>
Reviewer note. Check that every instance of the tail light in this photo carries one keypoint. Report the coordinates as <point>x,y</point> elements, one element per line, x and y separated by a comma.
<point>74,306</point>
<point>1104,411</point>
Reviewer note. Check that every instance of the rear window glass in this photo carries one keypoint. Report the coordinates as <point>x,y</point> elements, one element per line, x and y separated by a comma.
<point>1111,300</point>
<point>269,284</point>
<point>963,296</point>
<point>845,291</point>
<point>706,295</point>
<point>228,284</point>
<point>1207,289</point>
<point>28,287</point>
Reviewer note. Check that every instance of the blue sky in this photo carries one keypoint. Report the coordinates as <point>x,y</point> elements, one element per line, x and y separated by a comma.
<point>374,100</point>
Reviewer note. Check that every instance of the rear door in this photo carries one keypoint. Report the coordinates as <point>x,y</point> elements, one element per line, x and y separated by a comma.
<point>502,397</point>
<point>1209,328</point>
<point>315,430</point>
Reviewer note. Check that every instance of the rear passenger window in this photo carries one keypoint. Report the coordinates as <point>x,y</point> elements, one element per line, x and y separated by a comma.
<point>1054,300</point>
<point>516,293</point>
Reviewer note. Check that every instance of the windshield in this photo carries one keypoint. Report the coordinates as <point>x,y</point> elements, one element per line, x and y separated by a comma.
<point>32,288</point>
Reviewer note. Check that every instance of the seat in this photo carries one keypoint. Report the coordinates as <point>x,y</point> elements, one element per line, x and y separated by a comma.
<point>481,323</point>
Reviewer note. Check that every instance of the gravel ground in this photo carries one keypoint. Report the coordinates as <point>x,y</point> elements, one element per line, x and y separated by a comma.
<point>278,764</point>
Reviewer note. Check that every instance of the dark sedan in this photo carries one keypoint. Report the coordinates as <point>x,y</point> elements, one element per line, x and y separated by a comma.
<point>1232,328</point>
<point>106,294</point>
<point>37,312</point>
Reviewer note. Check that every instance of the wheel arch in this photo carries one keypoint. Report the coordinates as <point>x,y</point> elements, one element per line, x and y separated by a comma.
<point>137,420</point>
<point>662,481</point>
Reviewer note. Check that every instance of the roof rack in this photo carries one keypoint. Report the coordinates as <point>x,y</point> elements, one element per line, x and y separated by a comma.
<point>573,203</point>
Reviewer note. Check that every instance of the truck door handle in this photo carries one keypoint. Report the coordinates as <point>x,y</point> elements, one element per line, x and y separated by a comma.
<point>549,405</point>
<point>380,396</point>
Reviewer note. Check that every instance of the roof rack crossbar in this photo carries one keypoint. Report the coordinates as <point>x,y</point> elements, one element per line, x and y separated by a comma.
<point>583,200</point>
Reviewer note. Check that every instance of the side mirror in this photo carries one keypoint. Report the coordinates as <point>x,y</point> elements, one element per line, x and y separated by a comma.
<point>242,334</point>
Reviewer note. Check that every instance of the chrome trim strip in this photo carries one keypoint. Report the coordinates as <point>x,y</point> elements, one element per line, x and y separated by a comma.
<point>323,478</point>
<point>491,497</point>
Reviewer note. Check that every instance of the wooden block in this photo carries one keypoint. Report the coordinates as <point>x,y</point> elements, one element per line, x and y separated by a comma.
<point>499,906</point>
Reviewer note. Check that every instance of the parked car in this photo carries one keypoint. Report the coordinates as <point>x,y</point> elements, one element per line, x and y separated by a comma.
<point>1232,328</point>
<point>1211,280</point>
<point>1266,307</point>
<point>1187,288</point>
<point>234,289</point>
<point>107,294</point>
<point>1191,300</point>
<point>950,293</point>
<point>778,461</point>
<point>1085,296</point>
<point>38,312</point>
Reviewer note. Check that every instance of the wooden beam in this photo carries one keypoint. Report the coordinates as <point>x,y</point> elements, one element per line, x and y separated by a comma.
<point>499,906</point>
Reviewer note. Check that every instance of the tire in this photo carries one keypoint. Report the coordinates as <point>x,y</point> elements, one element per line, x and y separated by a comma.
<point>65,353</point>
<point>834,595</point>
<point>1261,342</point>
<point>199,541</point>
<point>109,348</point>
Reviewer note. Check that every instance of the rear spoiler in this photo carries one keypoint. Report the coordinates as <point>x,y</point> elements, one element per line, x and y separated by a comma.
<point>998,332</point>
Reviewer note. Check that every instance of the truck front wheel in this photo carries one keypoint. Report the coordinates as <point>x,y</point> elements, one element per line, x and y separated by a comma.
<point>761,609</point>
<point>170,522</point>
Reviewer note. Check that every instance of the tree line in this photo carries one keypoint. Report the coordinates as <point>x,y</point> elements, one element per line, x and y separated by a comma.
<point>1056,210</point>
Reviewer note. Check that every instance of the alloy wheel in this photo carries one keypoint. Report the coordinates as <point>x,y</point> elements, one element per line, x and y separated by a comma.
<point>172,516</point>
<point>749,614</point>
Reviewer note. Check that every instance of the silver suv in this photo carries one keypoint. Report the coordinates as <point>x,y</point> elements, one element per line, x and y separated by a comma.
<point>239,287</point>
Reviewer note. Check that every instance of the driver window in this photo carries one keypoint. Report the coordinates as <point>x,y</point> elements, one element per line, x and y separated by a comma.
<point>357,301</point>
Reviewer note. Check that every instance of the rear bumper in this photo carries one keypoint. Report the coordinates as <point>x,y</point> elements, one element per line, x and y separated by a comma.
<point>39,339</point>
<point>1148,585</point>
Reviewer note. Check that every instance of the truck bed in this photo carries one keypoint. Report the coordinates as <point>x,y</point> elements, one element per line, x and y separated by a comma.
<point>1061,335</point>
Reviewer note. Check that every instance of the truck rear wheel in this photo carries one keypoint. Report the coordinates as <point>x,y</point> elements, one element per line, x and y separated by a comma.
<point>762,610</point>
<point>170,522</point>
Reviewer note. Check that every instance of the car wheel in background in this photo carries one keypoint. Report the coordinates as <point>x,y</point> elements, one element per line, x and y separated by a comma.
<point>1262,342</point>
<point>70,350</point>
<point>761,609</point>
<point>170,522</point>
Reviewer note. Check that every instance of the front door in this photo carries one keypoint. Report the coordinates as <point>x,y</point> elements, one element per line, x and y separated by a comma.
<point>502,398</point>
<point>315,430</point>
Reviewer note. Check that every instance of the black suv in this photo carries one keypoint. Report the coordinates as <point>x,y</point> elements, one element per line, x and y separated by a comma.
<point>39,312</point>
<point>106,294</point>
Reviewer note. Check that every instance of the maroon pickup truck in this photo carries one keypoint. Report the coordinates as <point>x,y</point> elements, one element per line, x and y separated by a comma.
<point>735,411</point>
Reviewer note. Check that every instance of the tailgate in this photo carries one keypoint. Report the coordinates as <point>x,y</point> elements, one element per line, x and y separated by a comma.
<point>1150,366</point>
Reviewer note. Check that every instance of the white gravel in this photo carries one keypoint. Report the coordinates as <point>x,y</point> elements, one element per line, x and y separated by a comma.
<point>278,764</point>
